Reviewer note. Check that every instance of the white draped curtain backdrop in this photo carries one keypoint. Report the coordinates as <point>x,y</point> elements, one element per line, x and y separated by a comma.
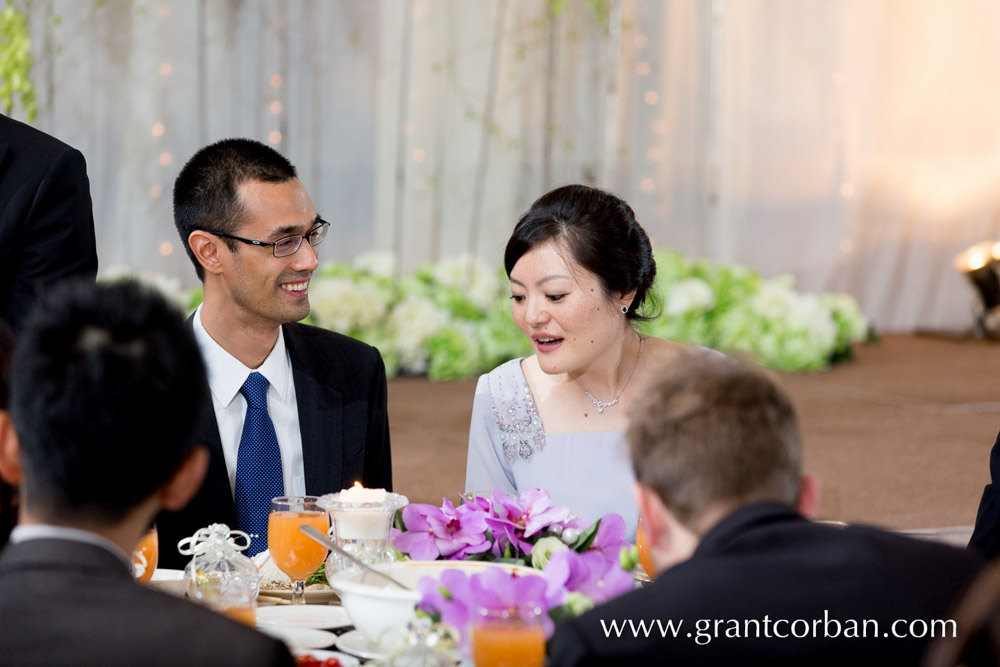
<point>852,143</point>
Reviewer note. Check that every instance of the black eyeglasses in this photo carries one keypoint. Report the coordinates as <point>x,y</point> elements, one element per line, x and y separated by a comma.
<point>286,245</point>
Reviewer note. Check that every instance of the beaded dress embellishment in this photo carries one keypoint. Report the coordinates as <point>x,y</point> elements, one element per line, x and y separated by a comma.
<point>521,432</point>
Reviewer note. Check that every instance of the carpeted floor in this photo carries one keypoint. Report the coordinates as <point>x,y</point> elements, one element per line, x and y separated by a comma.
<point>900,436</point>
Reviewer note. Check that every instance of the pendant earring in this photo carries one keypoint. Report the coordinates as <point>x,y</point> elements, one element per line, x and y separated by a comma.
<point>624,310</point>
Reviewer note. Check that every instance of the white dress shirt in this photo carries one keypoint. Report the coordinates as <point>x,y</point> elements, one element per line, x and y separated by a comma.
<point>226,374</point>
<point>38,531</point>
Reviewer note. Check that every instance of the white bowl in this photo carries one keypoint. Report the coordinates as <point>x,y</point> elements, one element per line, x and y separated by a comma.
<point>377,607</point>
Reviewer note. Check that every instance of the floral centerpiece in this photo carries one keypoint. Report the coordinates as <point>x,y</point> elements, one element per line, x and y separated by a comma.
<point>731,307</point>
<point>452,320</point>
<point>582,564</point>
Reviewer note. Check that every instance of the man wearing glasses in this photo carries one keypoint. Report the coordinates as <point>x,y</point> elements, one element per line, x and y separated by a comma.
<point>296,409</point>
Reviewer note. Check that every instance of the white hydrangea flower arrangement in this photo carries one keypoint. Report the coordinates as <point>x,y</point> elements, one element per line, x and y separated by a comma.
<point>452,319</point>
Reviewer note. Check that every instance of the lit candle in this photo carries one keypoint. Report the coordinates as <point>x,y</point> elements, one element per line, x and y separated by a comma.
<point>362,523</point>
<point>359,494</point>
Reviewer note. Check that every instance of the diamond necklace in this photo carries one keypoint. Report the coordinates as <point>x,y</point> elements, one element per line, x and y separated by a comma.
<point>601,404</point>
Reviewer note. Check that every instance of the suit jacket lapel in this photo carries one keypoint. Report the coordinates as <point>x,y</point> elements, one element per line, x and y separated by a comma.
<point>320,415</point>
<point>217,477</point>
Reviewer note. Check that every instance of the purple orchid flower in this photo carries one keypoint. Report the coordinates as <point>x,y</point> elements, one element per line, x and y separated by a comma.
<point>442,532</point>
<point>610,537</point>
<point>454,607</point>
<point>516,519</point>
<point>458,599</point>
<point>588,573</point>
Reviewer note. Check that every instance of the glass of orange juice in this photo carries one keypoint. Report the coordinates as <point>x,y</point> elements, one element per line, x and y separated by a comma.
<point>508,638</point>
<point>292,551</point>
<point>145,556</point>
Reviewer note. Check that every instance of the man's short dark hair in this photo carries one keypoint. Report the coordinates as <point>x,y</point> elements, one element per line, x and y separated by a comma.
<point>107,394</point>
<point>711,430</point>
<point>206,193</point>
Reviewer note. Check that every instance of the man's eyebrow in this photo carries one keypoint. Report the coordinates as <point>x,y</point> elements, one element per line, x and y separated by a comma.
<point>294,229</point>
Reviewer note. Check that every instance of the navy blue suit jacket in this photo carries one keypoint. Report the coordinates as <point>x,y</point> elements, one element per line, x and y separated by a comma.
<point>341,392</point>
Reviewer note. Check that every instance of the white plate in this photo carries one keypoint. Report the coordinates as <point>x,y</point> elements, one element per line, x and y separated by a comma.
<point>315,616</point>
<point>320,654</point>
<point>355,643</point>
<point>296,638</point>
<point>169,581</point>
<point>161,574</point>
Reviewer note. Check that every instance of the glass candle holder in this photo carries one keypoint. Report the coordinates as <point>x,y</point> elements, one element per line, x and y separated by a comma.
<point>361,528</point>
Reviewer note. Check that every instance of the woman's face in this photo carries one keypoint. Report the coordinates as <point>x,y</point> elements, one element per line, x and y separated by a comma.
<point>563,310</point>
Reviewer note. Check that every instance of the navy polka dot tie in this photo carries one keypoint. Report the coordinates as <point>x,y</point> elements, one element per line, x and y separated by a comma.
<point>258,465</point>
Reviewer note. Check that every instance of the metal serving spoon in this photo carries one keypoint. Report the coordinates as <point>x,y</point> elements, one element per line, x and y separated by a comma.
<point>332,546</point>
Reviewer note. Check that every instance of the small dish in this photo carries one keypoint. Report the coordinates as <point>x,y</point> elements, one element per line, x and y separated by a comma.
<point>296,638</point>
<point>315,616</point>
<point>355,643</point>
<point>168,581</point>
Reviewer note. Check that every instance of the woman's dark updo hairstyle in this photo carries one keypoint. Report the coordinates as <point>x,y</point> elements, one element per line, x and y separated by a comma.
<point>602,235</point>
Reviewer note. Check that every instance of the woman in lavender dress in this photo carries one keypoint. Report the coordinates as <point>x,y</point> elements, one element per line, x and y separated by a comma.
<point>580,270</point>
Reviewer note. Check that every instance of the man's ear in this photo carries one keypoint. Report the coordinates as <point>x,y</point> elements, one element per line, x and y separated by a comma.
<point>809,493</point>
<point>205,247</point>
<point>10,451</point>
<point>668,540</point>
<point>186,480</point>
<point>650,513</point>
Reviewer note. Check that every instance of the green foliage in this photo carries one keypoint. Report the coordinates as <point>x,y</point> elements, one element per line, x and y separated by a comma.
<point>731,307</point>
<point>452,320</point>
<point>600,10</point>
<point>15,62</point>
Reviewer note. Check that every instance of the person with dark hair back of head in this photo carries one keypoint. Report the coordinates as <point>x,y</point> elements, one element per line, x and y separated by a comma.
<point>107,392</point>
<point>581,271</point>
<point>744,577</point>
<point>317,399</point>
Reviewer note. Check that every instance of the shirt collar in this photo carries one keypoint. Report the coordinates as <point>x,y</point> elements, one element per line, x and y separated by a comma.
<point>24,533</point>
<point>226,373</point>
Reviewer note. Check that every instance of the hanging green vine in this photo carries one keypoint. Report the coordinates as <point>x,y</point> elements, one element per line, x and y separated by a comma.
<point>15,62</point>
<point>600,9</point>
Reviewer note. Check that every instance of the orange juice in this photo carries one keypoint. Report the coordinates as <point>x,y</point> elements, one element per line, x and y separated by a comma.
<point>245,615</point>
<point>513,644</point>
<point>644,558</point>
<point>149,548</point>
<point>294,553</point>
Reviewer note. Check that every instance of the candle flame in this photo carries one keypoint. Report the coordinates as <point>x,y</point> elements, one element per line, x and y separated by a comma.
<point>357,485</point>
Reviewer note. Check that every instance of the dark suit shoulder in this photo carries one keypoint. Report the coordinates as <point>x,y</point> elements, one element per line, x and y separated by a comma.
<point>319,335</point>
<point>73,603</point>
<point>335,347</point>
<point>764,562</point>
<point>25,141</point>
